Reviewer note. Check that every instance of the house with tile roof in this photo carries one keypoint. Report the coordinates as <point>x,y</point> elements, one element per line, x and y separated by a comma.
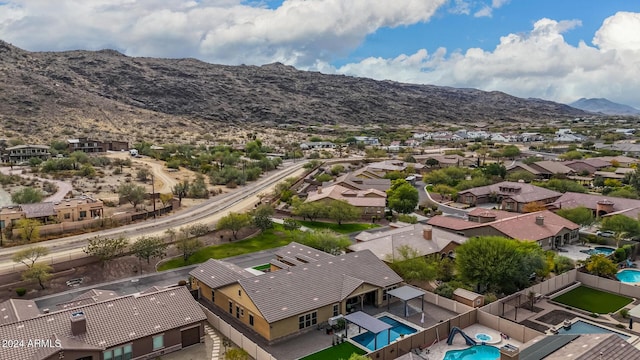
<point>600,205</point>
<point>76,209</point>
<point>424,239</point>
<point>547,229</point>
<point>350,181</point>
<point>509,195</point>
<point>141,326</point>
<point>371,202</point>
<point>280,304</point>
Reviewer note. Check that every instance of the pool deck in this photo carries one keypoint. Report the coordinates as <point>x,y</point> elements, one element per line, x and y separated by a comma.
<point>437,351</point>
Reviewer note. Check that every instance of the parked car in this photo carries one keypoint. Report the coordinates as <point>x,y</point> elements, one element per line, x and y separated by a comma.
<point>605,233</point>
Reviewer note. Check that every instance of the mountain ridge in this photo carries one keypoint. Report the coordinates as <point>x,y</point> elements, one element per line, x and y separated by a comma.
<point>117,94</point>
<point>604,106</point>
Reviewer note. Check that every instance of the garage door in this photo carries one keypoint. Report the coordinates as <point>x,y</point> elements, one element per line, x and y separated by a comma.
<point>190,336</point>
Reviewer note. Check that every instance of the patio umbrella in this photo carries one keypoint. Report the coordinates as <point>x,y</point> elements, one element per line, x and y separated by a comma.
<point>422,319</point>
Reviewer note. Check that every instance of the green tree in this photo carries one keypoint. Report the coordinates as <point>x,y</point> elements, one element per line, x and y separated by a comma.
<point>310,210</point>
<point>562,185</point>
<point>337,170</point>
<point>29,229</point>
<point>262,217</point>
<point>198,188</point>
<point>520,175</point>
<point>402,196</point>
<point>498,263</point>
<point>143,174</point>
<point>105,249</point>
<point>325,240</point>
<point>291,224</point>
<point>324,177</point>
<point>234,222</point>
<point>409,219</point>
<point>579,215</point>
<point>510,151</point>
<point>571,155</point>
<point>410,265</point>
<point>188,246</point>
<point>355,356</point>
<point>621,223</point>
<point>30,255</point>
<point>600,265</point>
<point>146,248</point>
<point>340,211</point>
<point>27,195</point>
<point>562,264</point>
<point>181,190</point>
<point>495,169</point>
<point>39,272</point>
<point>134,194</point>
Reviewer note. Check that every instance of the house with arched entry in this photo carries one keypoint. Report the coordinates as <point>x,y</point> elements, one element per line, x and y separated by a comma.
<point>600,205</point>
<point>508,195</point>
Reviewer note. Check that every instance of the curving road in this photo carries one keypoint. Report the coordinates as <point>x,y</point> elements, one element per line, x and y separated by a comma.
<point>209,212</point>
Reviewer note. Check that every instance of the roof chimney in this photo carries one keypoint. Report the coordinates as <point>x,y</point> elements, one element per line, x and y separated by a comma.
<point>427,233</point>
<point>540,220</point>
<point>78,323</point>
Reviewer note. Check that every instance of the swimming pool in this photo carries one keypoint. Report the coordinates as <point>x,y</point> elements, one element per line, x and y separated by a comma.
<point>477,352</point>
<point>629,276</point>
<point>582,327</point>
<point>384,338</point>
<point>599,250</point>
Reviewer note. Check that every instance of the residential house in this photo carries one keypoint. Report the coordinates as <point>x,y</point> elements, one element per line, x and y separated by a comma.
<point>443,161</point>
<point>20,154</point>
<point>281,304</point>
<point>587,166</point>
<point>510,196</point>
<point>77,209</point>
<point>547,229</point>
<point>548,169</point>
<point>600,205</point>
<point>141,326</point>
<point>371,202</point>
<point>424,239</point>
<point>626,148</point>
<point>95,146</point>
<point>317,145</point>
<point>351,181</point>
<point>394,146</point>
<point>620,160</point>
<point>366,140</point>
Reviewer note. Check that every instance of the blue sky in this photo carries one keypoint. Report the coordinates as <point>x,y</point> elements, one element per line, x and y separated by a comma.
<point>557,50</point>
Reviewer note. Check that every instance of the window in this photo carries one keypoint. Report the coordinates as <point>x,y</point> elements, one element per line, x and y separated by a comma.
<point>336,309</point>
<point>158,342</point>
<point>230,307</point>
<point>119,353</point>
<point>67,216</point>
<point>83,214</point>
<point>213,296</point>
<point>239,293</point>
<point>304,321</point>
<point>384,292</point>
<point>237,312</point>
<point>250,319</point>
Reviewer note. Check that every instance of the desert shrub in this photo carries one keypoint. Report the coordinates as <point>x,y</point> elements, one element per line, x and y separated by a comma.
<point>21,291</point>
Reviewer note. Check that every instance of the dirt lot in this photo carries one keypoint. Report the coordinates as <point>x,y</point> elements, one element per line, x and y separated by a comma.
<point>119,268</point>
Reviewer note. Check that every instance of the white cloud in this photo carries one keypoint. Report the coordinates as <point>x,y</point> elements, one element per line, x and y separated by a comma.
<point>299,32</point>
<point>460,7</point>
<point>485,11</point>
<point>536,64</point>
<point>498,3</point>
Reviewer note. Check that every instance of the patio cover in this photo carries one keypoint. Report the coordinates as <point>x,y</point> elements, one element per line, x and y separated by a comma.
<point>406,293</point>
<point>368,322</point>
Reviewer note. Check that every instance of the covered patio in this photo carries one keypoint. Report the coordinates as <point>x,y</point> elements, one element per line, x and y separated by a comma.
<point>406,293</point>
<point>367,322</point>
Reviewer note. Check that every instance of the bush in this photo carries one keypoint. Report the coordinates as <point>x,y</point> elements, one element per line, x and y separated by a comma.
<point>21,291</point>
<point>594,315</point>
<point>182,283</point>
<point>620,326</point>
<point>290,224</point>
<point>624,313</point>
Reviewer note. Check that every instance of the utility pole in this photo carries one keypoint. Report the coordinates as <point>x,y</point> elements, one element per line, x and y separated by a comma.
<point>153,194</point>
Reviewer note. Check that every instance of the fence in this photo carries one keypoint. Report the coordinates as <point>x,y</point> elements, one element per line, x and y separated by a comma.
<point>514,330</point>
<point>236,336</point>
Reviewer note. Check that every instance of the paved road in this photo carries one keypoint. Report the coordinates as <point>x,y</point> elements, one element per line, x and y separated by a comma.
<point>63,187</point>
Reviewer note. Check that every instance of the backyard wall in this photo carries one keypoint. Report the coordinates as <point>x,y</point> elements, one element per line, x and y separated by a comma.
<point>609,285</point>
<point>514,330</point>
<point>446,303</point>
<point>255,351</point>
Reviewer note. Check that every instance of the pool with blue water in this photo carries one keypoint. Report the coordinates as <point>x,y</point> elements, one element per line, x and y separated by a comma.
<point>477,352</point>
<point>386,337</point>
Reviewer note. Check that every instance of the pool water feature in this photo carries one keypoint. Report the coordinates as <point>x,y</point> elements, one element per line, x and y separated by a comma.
<point>629,276</point>
<point>599,250</point>
<point>477,352</point>
<point>386,337</point>
<point>482,337</point>
<point>583,327</point>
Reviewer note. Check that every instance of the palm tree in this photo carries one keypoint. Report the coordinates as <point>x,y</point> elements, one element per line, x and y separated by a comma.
<point>620,236</point>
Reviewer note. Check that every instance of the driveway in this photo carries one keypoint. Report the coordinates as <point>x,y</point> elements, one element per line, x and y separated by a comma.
<point>63,187</point>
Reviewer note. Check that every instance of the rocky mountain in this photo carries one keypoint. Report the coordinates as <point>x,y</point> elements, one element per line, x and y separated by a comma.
<point>78,92</point>
<point>604,106</point>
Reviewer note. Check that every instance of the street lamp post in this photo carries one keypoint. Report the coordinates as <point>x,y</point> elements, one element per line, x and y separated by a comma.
<point>153,194</point>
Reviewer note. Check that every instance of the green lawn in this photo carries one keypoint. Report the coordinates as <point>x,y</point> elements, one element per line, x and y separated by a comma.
<point>341,351</point>
<point>592,300</point>
<point>269,239</point>
<point>341,229</point>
